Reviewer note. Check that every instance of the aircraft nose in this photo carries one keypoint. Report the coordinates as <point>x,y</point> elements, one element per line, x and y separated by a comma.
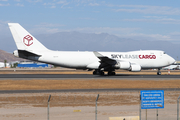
<point>171,60</point>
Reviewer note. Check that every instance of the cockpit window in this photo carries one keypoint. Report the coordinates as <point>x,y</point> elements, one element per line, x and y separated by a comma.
<point>164,53</point>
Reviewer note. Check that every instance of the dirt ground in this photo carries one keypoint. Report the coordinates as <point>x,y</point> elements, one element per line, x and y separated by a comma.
<point>81,106</point>
<point>86,84</point>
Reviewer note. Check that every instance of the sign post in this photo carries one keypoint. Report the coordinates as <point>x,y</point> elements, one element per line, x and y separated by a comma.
<point>96,107</point>
<point>140,109</point>
<point>152,99</point>
<point>178,108</point>
<point>48,107</point>
<point>157,114</point>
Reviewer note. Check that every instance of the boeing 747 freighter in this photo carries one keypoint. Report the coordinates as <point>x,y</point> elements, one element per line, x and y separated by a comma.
<point>29,47</point>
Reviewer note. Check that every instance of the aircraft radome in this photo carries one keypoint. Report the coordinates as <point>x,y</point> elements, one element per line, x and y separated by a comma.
<point>29,47</point>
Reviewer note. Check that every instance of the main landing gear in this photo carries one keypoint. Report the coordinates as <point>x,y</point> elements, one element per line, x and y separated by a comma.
<point>111,73</point>
<point>158,72</point>
<point>99,72</point>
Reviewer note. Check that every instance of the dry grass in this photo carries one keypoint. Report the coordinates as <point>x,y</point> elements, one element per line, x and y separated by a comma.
<point>78,99</point>
<point>85,84</point>
<point>73,99</point>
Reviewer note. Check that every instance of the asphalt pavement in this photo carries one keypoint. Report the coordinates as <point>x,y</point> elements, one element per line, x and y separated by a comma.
<point>83,76</point>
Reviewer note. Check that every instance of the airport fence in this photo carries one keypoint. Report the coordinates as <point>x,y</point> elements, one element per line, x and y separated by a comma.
<point>81,106</point>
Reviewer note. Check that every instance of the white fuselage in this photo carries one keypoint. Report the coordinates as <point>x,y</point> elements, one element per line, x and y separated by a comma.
<point>80,60</point>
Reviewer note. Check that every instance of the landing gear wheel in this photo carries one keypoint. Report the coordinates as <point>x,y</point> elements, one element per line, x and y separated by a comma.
<point>111,73</point>
<point>158,72</point>
<point>101,73</point>
<point>97,72</point>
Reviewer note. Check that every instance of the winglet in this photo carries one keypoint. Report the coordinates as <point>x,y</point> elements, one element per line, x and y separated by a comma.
<point>104,58</point>
<point>97,54</point>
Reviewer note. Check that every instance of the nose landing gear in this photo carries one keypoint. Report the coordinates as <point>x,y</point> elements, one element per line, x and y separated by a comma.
<point>158,72</point>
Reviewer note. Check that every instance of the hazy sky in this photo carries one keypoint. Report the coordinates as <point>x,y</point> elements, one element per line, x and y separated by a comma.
<point>136,19</point>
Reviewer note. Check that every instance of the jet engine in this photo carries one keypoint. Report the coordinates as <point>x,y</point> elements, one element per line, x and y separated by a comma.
<point>135,68</point>
<point>93,65</point>
<point>122,65</point>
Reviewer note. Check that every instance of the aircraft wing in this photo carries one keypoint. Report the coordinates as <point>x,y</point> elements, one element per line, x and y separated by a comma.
<point>110,63</point>
<point>105,59</point>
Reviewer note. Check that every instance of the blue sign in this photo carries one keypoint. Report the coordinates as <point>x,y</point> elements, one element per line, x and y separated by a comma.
<point>152,99</point>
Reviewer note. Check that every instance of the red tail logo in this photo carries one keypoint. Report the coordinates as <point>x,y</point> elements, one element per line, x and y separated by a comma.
<point>28,40</point>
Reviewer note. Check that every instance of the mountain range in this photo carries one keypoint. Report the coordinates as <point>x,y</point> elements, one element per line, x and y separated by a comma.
<point>76,41</point>
<point>70,41</point>
<point>8,57</point>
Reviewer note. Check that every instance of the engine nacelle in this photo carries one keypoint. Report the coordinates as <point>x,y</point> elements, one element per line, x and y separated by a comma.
<point>122,65</point>
<point>15,53</point>
<point>94,65</point>
<point>135,68</point>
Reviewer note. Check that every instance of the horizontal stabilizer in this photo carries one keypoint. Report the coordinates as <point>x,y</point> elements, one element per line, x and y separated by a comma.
<point>27,53</point>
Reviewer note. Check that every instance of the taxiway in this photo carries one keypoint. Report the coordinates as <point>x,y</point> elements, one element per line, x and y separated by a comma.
<point>84,76</point>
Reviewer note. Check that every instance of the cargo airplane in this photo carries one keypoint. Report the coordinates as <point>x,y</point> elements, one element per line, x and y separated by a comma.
<point>29,47</point>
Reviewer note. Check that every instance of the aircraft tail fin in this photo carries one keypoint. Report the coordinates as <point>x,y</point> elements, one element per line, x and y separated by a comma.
<point>23,39</point>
